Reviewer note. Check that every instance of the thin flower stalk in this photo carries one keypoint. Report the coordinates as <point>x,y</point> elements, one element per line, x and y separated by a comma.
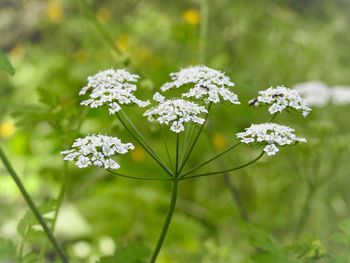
<point>140,178</point>
<point>33,207</point>
<point>182,165</point>
<point>224,171</point>
<point>211,159</point>
<point>141,136</point>
<point>146,148</point>
<point>167,220</point>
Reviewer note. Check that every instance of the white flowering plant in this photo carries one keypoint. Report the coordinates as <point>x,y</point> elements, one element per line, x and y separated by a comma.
<point>186,115</point>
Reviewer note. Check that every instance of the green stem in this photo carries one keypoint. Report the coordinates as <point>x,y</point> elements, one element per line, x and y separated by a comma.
<point>164,166</point>
<point>177,153</point>
<point>61,194</point>
<point>166,222</point>
<point>186,142</point>
<point>182,165</point>
<point>210,160</point>
<point>166,148</point>
<point>33,208</point>
<point>171,206</point>
<point>225,171</point>
<point>140,178</point>
<point>203,30</point>
<point>60,199</point>
<point>148,150</point>
<point>139,134</point>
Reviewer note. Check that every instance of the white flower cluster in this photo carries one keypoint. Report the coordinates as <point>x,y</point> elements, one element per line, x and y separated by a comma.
<point>318,94</point>
<point>341,95</point>
<point>281,98</point>
<point>96,150</point>
<point>112,87</point>
<point>175,112</point>
<point>315,93</point>
<point>270,133</point>
<point>209,84</point>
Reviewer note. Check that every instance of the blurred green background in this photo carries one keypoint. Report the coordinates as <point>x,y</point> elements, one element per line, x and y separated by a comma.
<point>290,208</point>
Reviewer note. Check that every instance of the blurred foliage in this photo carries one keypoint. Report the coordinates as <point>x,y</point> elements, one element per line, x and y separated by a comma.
<point>294,201</point>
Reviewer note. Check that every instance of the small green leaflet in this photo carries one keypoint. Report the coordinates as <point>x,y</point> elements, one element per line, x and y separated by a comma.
<point>29,228</point>
<point>5,64</point>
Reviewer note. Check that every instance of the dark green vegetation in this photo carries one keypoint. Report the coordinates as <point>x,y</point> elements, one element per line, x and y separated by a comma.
<point>289,208</point>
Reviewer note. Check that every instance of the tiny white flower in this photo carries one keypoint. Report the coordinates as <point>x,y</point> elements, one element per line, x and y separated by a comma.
<point>209,84</point>
<point>83,162</point>
<point>112,88</point>
<point>316,93</point>
<point>111,164</point>
<point>271,134</point>
<point>96,150</point>
<point>175,112</point>
<point>271,149</point>
<point>281,98</point>
<point>158,97</point>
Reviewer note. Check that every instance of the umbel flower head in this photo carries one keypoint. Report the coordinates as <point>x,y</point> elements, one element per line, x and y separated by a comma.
<point>96,150</point>
<point>113,88</point>
<point>210,85</point>
<point>175,112</point>
<point>281,98</point>
<point>271,134</point>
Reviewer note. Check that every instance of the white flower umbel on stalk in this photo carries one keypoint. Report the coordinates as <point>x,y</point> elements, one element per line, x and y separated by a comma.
<point>271,134</point>
<point>112,88</point>
<point>209,84</point>
<point>281,98</point>
<point>175,112</point>
<point>316,93</point>
<point>341,95</point>
<point>97,150</point>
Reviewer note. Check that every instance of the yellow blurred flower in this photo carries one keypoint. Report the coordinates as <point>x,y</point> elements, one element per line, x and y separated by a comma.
<point>123,42</point>
<point>54,11</point>
<point>219,141</point>
<point>138,155</point>
<point>17,52</point>
<point>103,15</point>
<point>191,16</point>
<point>7,129</point>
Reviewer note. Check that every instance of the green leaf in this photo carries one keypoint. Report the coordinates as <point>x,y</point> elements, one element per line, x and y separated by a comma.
<point>270,249</point>
<point>29,228</point>
<point>308,250</point>
<point>7,251</point>
<point>48,97</point>
<point>5,64</point>
<point>130,254</point>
